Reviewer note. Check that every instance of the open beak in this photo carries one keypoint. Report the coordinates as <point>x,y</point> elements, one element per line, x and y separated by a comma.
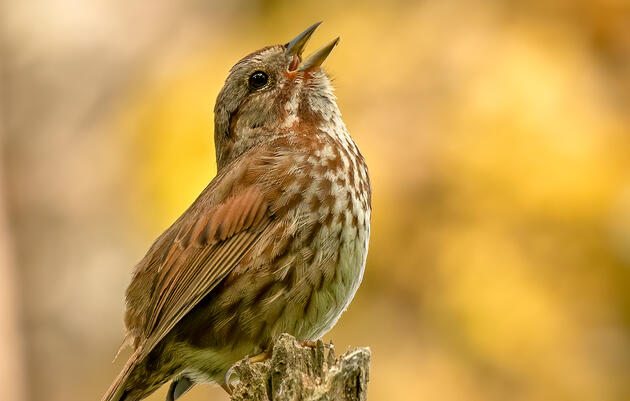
<point>295,48</point>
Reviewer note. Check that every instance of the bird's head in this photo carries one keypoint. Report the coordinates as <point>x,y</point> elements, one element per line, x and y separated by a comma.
<point>270,92</point>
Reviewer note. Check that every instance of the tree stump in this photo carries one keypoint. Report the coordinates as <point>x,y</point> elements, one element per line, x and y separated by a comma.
<point>295,372</point>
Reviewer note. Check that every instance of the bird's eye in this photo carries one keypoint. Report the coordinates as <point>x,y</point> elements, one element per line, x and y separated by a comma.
<point>257,80</point>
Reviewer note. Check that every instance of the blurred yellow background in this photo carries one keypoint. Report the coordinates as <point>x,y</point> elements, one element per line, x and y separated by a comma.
<point>498,139</point>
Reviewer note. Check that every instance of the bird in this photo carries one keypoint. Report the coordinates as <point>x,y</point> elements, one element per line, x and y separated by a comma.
<point>276,243</point>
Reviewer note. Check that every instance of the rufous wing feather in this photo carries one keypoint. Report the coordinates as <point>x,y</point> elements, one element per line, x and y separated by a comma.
<point>203,254</point>
<point>200,249</point>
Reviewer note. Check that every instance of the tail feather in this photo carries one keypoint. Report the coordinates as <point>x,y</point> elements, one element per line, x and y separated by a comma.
<point>116,391</point>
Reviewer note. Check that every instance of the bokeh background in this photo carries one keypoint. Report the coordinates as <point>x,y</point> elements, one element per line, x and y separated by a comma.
<point>498,138</point>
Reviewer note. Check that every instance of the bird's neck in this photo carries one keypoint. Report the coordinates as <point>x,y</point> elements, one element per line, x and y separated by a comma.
<point>312,106</point>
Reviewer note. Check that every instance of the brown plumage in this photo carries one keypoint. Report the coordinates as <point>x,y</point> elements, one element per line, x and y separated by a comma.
<point>276,243</point>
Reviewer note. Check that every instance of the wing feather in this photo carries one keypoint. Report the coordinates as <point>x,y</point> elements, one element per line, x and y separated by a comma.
<point>211,239</point>
<point>189,289</point>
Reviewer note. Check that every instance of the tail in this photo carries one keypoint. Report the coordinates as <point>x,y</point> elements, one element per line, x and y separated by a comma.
<point>117,391</point>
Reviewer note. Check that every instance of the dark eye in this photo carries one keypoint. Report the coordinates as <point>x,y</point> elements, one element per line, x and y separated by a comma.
<point>258,79</point>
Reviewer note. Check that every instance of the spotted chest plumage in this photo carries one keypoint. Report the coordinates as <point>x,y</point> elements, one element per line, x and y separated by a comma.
<point>328,221</point>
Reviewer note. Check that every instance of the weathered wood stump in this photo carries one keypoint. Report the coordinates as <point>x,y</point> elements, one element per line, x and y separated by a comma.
<point>295,372</point>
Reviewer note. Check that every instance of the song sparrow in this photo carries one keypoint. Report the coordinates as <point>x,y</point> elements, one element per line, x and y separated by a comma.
<point>276,243</point>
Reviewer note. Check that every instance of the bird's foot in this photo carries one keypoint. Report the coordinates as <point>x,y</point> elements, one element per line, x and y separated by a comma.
<point>313,344</point>
<point>227,387</point>
<point>263,356</point>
